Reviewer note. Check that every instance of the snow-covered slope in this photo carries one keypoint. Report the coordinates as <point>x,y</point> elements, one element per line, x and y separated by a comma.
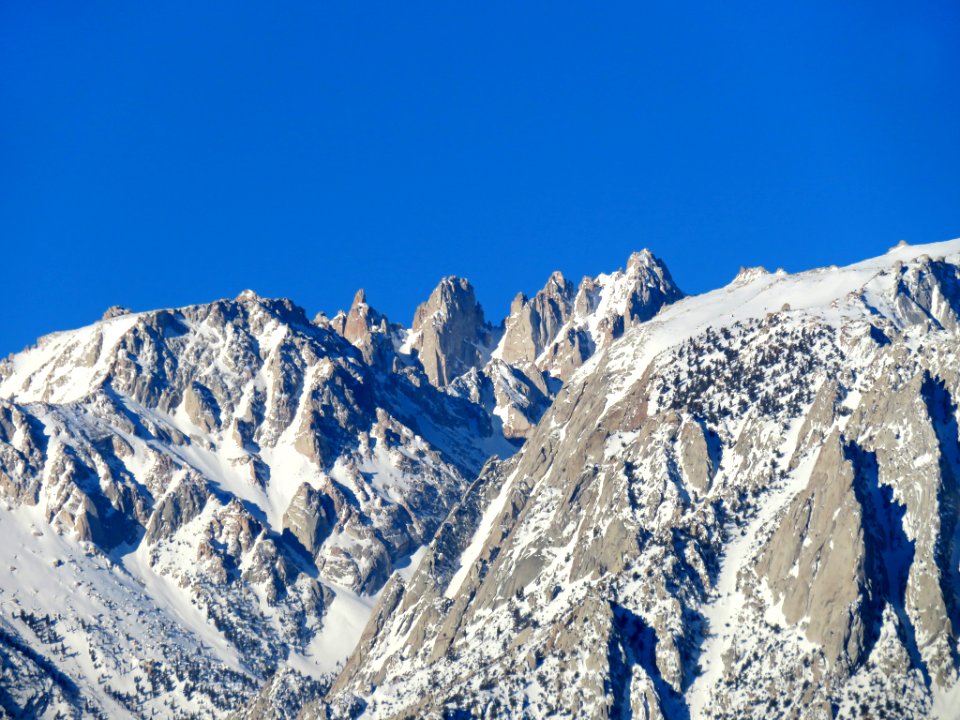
<point>221,491</point>
<point>745,507</point>
<point>738,504</point>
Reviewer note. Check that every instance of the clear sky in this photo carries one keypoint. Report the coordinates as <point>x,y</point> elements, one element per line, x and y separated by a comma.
<point>156,154</point>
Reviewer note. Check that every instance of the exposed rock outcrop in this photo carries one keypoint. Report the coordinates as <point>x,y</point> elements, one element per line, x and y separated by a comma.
<point>748,507</point>
<point>449,333</point>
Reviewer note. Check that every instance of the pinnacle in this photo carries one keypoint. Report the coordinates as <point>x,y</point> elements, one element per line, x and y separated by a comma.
<point>748,274</point>
<point>642,258</point>
<point>247,295</point>
<point>115,311</point>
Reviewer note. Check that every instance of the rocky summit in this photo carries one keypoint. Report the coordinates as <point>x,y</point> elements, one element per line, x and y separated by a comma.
<point>617,502</point>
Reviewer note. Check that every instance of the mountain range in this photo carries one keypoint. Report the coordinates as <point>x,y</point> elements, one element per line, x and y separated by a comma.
<point>618,502</point>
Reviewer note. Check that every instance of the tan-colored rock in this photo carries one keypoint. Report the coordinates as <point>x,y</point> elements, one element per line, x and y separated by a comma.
<point>815,562</point>
<point>451,334</point>
<point>310,517</point>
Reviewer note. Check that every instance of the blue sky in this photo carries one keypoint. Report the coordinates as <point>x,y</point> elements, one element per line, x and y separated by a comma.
<point>160,154</point>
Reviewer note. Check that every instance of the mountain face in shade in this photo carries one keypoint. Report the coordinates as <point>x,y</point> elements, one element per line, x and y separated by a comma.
<point>617,502</point>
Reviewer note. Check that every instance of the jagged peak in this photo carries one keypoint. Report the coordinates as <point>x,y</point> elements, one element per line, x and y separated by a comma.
<point>454,283</point>
<point>360,298</point>
<point>557,284</point>
<point>643,263</point>
<point>519,300</point>
<point>644,270</point>
<point>283,308</point>
<point>749,274</point>
<point>450,332</point>
<point>115,311</point>
<point>450,291</point>
<point>557,278</point>
<point>247,296</point>
<point>642,258</point>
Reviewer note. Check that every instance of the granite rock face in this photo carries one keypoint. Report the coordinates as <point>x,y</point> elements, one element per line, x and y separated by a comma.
<point>550,336</point>
<point>562,326</point>
<point>743,504</point>
<point>368,330</point>
<point>816,561</point>
<point>747,508</point>
<point>533,324</point>
<point>449,333</point>
<point>232,458</point>
<point>515,369</point>
<point>603,308</point>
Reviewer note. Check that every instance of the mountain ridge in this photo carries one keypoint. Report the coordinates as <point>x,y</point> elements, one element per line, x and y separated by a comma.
<point>857,309</point>
<point>279,496</point>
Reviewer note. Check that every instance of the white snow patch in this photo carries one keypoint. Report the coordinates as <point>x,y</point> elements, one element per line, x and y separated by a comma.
<point>343,624</point>
<point>722,612</point>
<point>472,551</point>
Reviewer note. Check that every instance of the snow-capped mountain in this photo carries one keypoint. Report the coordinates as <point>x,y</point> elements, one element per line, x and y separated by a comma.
<point>233,476</point>
<point>515,369</point>
<point>228,486</point>
<point>745,507</point>
<point>618,502</point>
